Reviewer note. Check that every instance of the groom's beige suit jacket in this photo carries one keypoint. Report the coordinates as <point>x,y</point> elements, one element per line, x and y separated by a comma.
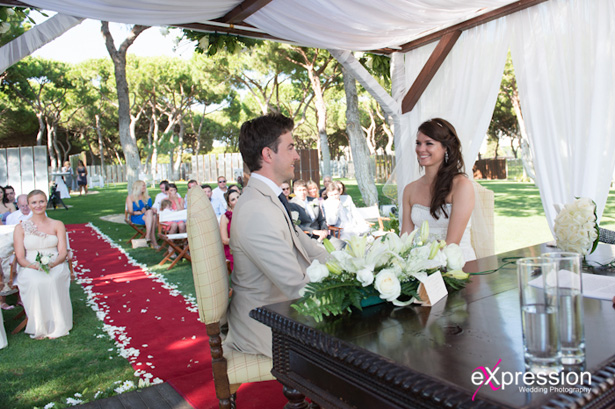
<point>271,256</point>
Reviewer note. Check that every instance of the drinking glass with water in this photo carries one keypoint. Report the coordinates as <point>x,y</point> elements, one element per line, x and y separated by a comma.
<point>539,314</point>
<point>570,291</point>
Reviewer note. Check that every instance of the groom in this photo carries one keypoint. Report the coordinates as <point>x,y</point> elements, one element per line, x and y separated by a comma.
<point>270,254</point>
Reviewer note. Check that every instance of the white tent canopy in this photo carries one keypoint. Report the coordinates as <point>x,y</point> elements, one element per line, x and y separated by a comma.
<point>562,51</point>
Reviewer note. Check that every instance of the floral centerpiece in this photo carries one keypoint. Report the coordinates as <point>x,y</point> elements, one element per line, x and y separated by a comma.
<point>389,267</point>
<point>576,228</point>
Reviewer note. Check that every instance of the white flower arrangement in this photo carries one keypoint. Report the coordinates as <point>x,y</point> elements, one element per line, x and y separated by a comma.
<point>576,227</point>
<point>389,267</point>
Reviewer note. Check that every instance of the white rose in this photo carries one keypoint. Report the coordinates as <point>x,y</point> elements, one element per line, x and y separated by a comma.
<point>454,257</point>
<point>365,276</point>
<point>45,259</point>
<point>4,27</point>
<point>317,272</point>
<point>387,284</point>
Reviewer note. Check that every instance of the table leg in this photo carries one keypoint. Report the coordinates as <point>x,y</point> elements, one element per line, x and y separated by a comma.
<point>296,400</point>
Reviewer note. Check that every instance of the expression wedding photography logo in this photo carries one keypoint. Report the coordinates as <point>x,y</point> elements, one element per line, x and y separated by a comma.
<point>562,382</point>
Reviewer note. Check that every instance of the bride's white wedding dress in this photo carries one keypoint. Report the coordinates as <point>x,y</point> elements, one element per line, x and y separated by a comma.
<point>45,296</point>
<point>438,228</point>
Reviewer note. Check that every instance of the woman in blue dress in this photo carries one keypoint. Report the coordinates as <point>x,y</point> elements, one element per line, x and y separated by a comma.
<point>139,206</point>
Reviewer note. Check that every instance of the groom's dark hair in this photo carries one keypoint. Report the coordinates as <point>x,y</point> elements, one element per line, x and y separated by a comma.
<point>259,133</point>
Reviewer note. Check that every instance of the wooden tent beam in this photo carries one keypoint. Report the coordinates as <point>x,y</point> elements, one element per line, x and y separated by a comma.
<point>471,23</point>
<point>432,65</point>
<point>242,11</point>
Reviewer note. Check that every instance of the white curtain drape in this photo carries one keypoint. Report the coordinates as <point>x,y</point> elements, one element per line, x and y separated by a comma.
<point>362,24</point>
<point>564,62</point>
<point>340,24</point>
<point>464,92</point>
<point>146,12</point>
<point>35,38</point>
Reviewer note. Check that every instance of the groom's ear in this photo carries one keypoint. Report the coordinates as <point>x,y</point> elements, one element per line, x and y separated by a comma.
<point>267,154</point>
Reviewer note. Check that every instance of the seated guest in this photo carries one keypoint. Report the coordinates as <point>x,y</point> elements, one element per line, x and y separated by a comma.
<point>177,203</point>
<point>309,216</point>
<point>313,189</point>
<point>139,206</point>
<point>232,195</point>
<point>217,197</point>
<point>286,190</point>
<point>325,182</point>
<point>10,195</point>
<point>270,254</point>
<point>207,190</point>
<point>44,287</point>
<point>341,212</point>
<point>164,186</point>
<point>23,211</point>
<point>6,207</point>
<point>166,209</point>
<point>192,183</point>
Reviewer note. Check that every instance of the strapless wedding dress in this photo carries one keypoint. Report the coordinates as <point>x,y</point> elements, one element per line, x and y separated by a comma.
<point>438,228</point>
<point>46,297</point>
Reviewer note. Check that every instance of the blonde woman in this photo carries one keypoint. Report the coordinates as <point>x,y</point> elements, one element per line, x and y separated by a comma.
<point>43,281</point>
<point>139,206</point>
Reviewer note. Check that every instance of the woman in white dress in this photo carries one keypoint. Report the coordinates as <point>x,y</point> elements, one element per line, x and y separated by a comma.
<point>45,294</point>
<point>444,196</point>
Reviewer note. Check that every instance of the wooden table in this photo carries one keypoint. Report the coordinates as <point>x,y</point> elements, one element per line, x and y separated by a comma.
<point>421,357</point>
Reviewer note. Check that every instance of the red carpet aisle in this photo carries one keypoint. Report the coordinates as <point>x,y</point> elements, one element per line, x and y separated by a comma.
<point>154,326</point>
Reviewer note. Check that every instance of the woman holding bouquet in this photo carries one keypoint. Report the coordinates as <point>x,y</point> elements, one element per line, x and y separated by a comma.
<point>444,196</point>
<point>43,275</point>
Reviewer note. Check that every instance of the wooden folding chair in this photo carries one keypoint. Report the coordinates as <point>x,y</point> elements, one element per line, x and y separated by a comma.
<point>335,231</point>
<point>372,216</point>
<point>209,269</point>
<point>140,234</point>
<point>177,241</point>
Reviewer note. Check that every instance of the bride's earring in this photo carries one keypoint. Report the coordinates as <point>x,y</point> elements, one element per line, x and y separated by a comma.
<point>446,157</point>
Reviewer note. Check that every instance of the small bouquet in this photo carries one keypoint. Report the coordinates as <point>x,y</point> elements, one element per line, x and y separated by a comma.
<point>43,261</point>
<point>576,228</point>
<point>389,267</point>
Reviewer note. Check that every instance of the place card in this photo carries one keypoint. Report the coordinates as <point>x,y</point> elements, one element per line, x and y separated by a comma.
<point>432,289</point>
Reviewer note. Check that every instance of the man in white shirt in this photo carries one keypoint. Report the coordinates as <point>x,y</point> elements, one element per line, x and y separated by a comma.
<point>164,186</point>
<point>23,211</point>
<point>217,197</point>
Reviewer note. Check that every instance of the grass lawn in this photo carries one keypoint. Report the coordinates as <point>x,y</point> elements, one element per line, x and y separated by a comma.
<point>34,373</point>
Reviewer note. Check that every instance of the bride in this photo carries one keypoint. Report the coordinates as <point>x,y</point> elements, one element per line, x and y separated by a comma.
<point>45,294</point>
<point>444,196</point>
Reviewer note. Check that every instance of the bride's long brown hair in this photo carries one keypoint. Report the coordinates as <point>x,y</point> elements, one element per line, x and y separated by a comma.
<point>442,131</point>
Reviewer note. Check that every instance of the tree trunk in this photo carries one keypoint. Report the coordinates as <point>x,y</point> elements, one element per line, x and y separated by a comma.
<point>51,148</point>
<point>321,114</point>
<point>100,145</point>
<point>41,129</point>
<point>364,168</point>
<point>180,149</point>
<point>127,140</point>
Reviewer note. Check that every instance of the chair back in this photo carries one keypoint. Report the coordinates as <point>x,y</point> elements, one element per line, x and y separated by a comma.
<point>370,214</point>
<point>208,262</point>
<point>482,227</point>
<point>176,216</point>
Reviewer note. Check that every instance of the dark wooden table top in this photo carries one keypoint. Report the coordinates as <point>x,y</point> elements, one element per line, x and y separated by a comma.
<point>474,327</point>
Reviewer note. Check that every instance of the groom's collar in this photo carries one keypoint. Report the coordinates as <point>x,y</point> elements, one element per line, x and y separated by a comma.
<point>276,189</point>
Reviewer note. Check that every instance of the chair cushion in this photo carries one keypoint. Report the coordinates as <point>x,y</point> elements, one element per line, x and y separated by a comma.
<point>208,261</point>
<point>243,368</point>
